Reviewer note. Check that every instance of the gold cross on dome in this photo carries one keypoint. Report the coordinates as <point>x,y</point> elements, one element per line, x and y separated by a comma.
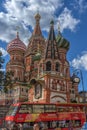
<point>17,29</point>
<point>37,10</point>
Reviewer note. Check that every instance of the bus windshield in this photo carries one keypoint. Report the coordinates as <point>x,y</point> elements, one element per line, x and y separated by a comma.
<point>12,110</point>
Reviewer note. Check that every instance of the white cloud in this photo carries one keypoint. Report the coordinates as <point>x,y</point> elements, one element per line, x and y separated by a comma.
<point>80,5</point>
<point>80,61</point>
<point>67,20</point>
<point>4,52</point>
<point>21,13</point>
<point>2,70</point>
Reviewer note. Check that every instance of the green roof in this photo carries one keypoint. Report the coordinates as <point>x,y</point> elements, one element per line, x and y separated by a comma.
<point>37,57</point>
<point>62,42</point>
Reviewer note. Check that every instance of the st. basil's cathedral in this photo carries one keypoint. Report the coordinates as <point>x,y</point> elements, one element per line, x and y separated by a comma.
<point>41,70</point>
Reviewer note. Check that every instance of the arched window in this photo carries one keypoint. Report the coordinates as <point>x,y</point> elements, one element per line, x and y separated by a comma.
<point>48,66</point>
<point>57,67</point>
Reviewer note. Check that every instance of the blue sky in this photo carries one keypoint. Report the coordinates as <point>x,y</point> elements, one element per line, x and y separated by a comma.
<point>72,15</point>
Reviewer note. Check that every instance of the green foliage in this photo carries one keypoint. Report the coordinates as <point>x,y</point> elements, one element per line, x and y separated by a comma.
<point>37,57</point>
<point>8,82</point>
<point>1,72</point>
<point>1,78</point>
<point>5,78</point>
<point>1,60</point>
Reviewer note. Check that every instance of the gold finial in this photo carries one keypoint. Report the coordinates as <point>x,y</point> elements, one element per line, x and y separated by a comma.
<point>17,29</point>
<point>58,26</point>
<point>37,10</point>
<point>37,16</point>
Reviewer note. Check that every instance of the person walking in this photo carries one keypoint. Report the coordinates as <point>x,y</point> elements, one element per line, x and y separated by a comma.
<point>20,127</point>
<point>15,127</point>
<point>36,126</point>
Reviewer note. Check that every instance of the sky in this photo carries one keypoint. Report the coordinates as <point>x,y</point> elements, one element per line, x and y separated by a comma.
<point>71,14</point>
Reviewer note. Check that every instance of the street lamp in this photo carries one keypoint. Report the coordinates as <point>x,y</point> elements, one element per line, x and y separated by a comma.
<point>76,79</point>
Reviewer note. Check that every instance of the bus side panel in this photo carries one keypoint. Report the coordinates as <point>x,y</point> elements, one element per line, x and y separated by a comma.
<point>35,117</point>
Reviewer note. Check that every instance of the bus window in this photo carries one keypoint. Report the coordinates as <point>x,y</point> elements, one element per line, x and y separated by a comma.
<point>78,109</point>
<point>50,108</point>
<point>29,107</point>
<point>75,109</point>
<point>77,123</point>
<point>64,109</point>
<point>61,124</point>
<point>25,108</point>
<point>70,109</point>
<point>38,108</point>
<point>61,109</point>
<point>12,110</point>
<point>43,125</point>
<point>67,123</point>
<point>53,124</point>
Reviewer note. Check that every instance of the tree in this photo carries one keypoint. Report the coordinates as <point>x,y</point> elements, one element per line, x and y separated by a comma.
<point>5,78</point>
<point>8,82</point>
<point>1,72</point>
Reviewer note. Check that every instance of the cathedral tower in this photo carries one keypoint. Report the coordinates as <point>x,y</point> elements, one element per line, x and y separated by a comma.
<point>35,51</point>
<point>16,48</point>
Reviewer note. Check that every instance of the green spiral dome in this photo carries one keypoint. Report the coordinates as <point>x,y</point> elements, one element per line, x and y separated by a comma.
<point>62,42</point>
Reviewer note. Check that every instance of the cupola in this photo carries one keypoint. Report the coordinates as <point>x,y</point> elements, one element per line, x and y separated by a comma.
<point>61,41</point>
<point>16,44</point>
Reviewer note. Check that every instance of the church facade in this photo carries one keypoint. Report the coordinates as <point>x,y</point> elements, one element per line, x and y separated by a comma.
<point>41,70</point>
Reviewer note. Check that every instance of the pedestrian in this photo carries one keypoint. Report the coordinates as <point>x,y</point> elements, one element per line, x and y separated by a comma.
<point>36,126</point>
<point>20,127</point>
<point>15,127</point>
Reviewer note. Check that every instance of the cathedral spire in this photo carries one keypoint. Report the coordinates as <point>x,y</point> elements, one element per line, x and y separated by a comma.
<point>51,32</point>
<point>37,30</point>
<point>51,50</point>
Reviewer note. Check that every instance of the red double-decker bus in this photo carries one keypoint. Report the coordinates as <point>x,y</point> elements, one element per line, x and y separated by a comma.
<point>61,116</point>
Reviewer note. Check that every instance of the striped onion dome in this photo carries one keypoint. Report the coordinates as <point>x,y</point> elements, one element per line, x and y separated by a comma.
<point>62,42</point>
<point>16,44</point>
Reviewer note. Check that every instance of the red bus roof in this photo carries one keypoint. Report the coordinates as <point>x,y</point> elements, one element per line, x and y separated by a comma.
<point>57,104</point>
<point>20,103</point>
<point>71,104</point>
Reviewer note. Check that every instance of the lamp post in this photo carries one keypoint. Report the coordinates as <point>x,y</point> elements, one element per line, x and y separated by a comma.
<point>76,79</point>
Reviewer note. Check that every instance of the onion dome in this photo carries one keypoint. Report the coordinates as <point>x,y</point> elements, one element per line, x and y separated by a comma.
<point>62,42</point>
<point>16,44</point>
